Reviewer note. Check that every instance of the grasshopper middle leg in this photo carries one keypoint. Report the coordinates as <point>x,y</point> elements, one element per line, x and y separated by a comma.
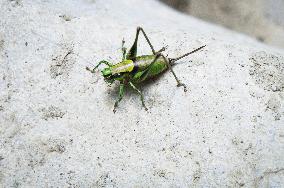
<point>120,96</point>
<point>140,93</point>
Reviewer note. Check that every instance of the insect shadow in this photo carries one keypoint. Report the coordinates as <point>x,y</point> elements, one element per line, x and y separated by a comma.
<point>129,91</point>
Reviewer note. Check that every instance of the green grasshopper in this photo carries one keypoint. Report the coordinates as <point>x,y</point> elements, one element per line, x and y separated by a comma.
<point>134,69</point>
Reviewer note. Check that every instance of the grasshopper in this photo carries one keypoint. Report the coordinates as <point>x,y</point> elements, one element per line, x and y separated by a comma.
<point>134,69</point>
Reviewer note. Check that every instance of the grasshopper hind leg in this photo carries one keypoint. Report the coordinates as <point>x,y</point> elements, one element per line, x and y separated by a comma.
<point>179,84</point>
<point>123,49</point>
<point>133,50</point>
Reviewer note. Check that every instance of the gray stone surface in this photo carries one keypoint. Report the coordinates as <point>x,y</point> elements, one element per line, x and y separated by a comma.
<point>262,19</point>
<point>57,128</point>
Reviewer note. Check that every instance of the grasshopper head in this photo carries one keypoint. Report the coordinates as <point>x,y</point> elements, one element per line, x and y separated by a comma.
<point>106,72</point>
<point>107,75</point>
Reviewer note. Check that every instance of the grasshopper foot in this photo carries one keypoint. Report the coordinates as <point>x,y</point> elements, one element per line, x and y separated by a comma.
<point>183,85</point>
<point>143,104</point>
<point>88,69</point>
<point>145,108</point>
<point>114,110</point>
<point>114,107</point>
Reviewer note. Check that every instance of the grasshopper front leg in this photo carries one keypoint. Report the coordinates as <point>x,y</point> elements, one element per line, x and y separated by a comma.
<point>101,62</point>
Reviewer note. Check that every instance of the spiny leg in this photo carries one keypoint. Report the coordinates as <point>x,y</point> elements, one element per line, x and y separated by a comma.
<point>146,37</point>
<point>133,50</point>
<point>140,93</point>
<point>120,96</point>
<point>145,74</point>
<point>162,49</point>
<point>123,49</point>
<point>171,69</point>
<point>101,62</point>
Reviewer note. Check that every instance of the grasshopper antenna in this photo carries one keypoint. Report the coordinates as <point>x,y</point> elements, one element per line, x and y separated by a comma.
<point>172,60</point>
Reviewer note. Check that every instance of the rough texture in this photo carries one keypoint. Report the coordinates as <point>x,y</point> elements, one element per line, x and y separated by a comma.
<point>263,19</point>
<point>57,128</point>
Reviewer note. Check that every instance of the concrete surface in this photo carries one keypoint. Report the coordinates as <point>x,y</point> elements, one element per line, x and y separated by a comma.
<point>262,19</point>
<point>57,128</point>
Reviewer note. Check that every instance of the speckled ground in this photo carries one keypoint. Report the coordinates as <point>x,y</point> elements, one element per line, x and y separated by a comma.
<point>57,128</point>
